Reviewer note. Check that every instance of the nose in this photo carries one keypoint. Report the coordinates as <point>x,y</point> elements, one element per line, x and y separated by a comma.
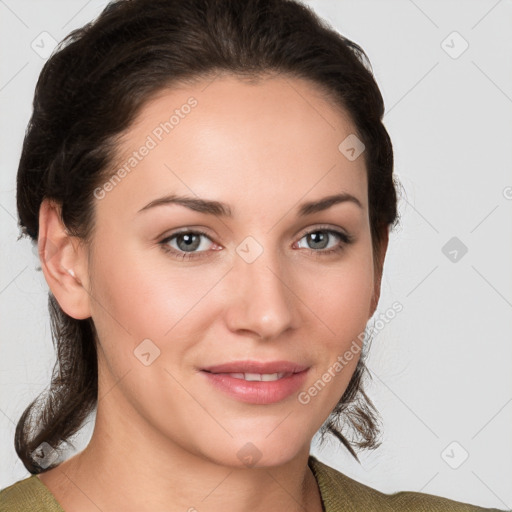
<point>261,299</point>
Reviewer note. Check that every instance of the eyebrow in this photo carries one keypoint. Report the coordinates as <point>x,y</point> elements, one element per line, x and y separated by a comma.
<point>223,210</point>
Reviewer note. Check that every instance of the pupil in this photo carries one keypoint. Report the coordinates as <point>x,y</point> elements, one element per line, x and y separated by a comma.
<point>318,237</point>
<point>189,242</point>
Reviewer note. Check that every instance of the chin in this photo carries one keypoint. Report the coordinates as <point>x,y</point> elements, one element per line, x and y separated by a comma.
<point>258,451</point>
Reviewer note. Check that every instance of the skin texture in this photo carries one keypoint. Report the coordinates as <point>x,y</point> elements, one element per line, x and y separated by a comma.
<point>165,438</point>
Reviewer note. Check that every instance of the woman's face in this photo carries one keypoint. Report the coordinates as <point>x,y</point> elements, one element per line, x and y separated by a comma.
<point>186,321</point>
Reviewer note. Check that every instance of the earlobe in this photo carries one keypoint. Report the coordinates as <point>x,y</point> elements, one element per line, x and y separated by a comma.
<point>63,262</point>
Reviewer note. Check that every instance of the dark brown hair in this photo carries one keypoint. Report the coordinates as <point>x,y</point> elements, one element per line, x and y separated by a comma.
<point>89,92</point>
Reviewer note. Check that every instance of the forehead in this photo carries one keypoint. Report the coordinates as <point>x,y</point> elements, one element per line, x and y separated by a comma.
<point>237,140</point>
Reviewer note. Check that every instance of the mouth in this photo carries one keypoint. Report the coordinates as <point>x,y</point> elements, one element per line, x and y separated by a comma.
<point>257,382</point>
<point>258,377</point>
<point>257,367</point>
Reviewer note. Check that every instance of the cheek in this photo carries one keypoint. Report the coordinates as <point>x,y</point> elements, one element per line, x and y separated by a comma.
<point>140,295</point>
<point>341,295</point>
<point>341,300</point>
<point>130,291</point>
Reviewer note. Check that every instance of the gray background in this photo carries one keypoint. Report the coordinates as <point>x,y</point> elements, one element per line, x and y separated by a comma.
<point>441,369</point>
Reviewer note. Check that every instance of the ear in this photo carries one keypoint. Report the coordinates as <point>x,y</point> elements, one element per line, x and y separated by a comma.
<point>63,262</point>
<point>379,266</point>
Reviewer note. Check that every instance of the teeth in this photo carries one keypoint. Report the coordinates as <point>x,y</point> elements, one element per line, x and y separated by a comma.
<point>265,377</point>
<point>253,376</point>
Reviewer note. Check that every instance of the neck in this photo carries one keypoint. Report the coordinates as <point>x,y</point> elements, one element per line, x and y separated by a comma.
<point>129,465</point>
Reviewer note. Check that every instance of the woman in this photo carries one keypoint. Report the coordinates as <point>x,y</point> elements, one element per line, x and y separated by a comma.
<point>211,188</point>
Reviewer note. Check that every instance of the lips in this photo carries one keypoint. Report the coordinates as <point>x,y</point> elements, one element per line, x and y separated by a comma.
<point>262,377</point>
<point>257,367</point>
<point>257,382</point>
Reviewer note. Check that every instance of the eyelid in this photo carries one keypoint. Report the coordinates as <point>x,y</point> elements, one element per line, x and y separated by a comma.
<point>344,237</point>
<point>187,229</point>
<point>326,227</point>
<point>301,234</point>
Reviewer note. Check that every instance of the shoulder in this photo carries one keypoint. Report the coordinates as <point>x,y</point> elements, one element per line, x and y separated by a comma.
<point>28,494</point>
<point>340,492</point>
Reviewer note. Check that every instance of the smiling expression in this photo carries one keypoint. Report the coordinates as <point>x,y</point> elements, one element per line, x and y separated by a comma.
<point>238,247</point>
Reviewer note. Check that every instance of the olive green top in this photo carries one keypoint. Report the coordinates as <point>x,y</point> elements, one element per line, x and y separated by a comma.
<point>339,494</point>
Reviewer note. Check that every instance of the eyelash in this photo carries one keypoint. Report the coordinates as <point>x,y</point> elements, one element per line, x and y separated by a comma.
<point>345,239</point>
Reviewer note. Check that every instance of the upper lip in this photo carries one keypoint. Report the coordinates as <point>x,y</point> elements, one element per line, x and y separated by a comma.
<point>257,367</point>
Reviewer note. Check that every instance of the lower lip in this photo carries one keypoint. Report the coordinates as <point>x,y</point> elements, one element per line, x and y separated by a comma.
<point>257,392</point>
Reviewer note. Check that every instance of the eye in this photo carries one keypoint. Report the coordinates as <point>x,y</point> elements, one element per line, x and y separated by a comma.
<point>190,244</point>
<point>185,244</point>
<point>325,241</point>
